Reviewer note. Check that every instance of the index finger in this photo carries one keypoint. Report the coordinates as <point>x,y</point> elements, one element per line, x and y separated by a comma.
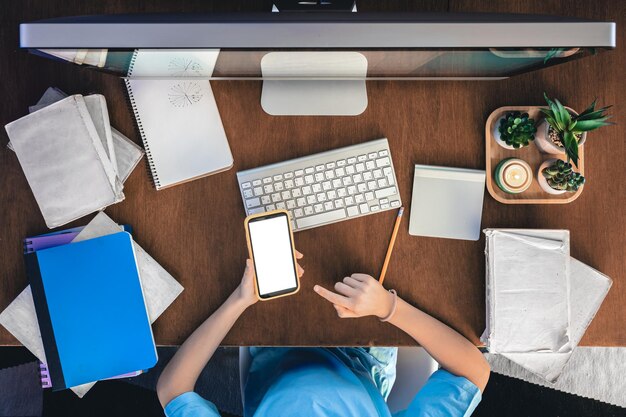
<point>332,297</point>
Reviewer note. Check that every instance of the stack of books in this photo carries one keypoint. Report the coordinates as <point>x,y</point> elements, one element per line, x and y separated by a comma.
<point>74,161</point>
<point>539,300</point>
<point>87,313</point>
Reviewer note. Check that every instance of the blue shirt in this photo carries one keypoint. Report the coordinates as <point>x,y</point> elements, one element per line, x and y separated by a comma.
<point>321,382</point>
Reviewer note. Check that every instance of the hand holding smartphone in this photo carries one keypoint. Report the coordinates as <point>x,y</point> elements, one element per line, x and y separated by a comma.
<point>270,243</point>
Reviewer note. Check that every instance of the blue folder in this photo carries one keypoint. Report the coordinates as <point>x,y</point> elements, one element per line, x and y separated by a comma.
<point>91,310</point>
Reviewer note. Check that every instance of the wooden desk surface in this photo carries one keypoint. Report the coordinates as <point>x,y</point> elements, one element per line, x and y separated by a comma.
<point>195,230</point>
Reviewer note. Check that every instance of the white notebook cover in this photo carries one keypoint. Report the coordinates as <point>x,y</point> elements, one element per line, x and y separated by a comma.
<point>177,114</point>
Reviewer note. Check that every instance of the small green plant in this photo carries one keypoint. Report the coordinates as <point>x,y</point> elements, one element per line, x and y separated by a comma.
<point>517,129</point>
<point>569,128</point>
<point>561,176</point>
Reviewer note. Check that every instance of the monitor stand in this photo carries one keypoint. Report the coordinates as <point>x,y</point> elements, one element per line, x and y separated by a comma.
<point>314,83</point>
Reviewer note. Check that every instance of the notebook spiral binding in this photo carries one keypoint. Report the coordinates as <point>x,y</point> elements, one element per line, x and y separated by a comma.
<point>46,382</point>
<point>151,169</point>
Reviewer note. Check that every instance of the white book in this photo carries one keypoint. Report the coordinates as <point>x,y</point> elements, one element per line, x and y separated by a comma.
<point>64,161</point>
<point>178,119</point>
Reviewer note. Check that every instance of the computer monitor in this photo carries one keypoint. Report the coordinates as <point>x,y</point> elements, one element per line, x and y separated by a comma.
<point>317,63</point>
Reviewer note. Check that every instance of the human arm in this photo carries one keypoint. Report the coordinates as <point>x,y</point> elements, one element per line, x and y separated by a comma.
<point>361,295</point>
<point>182,372</point>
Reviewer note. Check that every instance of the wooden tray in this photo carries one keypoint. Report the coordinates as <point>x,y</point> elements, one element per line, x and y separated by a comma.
<point>495,153</point>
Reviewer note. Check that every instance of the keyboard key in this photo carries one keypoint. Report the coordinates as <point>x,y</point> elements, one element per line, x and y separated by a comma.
<point>378,173</point>
<point>350,170</point>
<point>299,182</point>
<point>372,155</point>
<point>319,168</point>
<point>321,197</point>
<point>298,213</point>
<point>386,192</point>
<point>319,177</point>
<point>347,180</point>
<point>266,199</point>
<point>258,191</point>
<point>340,172</point>
<point>395,203</point>
<point>359,198</point>
<point>291,204</point>
<point>330,165</point>
<point>341,162</point>
<point>246,185</point>
<point>247,193</point>
<point>375,208</point>
<point>281,205</point>
<point>256,210</point>
<point>383,162</point>
<point>279,186</point>
<point>383,153</point>
<point>316,188</point>
<point>268,189</point>
<point>364,208</point>
<point>289,184</point>
<point>275,197</point>
<point>286,195</point>
<point>308,210</point>
<point>341,192</point>
<point>306,190</point>
<point>310,199</point>
<point>326,186</point>
<point>353,211</point>
<point>382,182</point>
<point>351,189</point>
<point>357,178</point>
<point>328,205</point>
<point>361,158</point>
<point>309,179</point>
<point>329,216</point>
<point>278,177</point>
<point>360,167</point>
<point>351,160</point>
<point>318,208</point>
<point>256,183</point>
<point>267,180</point>
<point>329,175</point>
<point>371,185</point>
<point>299,172</point>
<point>296,192</point>
<point>383,201</point>
<point>270,207</point>
<point>384,206</point>
<point>337,183</point>
<point>369,196</point>
<point>349,201</point>
<point>253,202</point>
<point>288,175</point>
<point>370,165</point>
<point>367,175</point>
<point>339,203</point>
<point>301,202</point>
<point>332,194</point>
<point>361,187</point>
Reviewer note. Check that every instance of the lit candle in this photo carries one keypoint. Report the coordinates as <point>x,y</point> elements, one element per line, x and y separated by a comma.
<point>513,175</point>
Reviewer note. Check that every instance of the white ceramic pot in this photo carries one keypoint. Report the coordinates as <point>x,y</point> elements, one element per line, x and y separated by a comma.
<point>545,145</point>
<point>496,135</point>
<point>543,183</point>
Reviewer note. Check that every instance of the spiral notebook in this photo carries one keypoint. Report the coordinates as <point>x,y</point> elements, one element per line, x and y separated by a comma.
<point>176,114</point>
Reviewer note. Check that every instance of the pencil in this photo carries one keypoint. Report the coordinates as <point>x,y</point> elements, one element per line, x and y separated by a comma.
<point>391,243</point>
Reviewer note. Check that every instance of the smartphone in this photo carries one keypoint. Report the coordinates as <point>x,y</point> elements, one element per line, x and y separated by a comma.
<point>270,243</point>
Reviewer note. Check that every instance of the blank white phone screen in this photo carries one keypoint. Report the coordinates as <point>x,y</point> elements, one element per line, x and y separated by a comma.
<point>273,256</point>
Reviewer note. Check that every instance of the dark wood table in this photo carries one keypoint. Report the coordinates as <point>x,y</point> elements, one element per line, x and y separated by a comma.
<point>196,232</point>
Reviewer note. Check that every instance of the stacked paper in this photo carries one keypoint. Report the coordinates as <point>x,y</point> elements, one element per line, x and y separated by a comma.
<point>159,287</point>
<point>74,161</point>
<point>539,300</point>
<point>95,57</point>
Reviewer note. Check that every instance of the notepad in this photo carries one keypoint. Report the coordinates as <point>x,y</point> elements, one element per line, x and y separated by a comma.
<point>177,116</point>
<point>91,310</point>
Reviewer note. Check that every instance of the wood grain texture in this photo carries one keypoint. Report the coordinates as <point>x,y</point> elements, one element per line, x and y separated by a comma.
<point>195,230</point>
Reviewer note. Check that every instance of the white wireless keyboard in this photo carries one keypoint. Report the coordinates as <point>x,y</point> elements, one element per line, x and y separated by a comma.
<point>326,187</point>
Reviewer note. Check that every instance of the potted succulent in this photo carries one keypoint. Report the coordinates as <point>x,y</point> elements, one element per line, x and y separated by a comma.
<point>514,130</point>
<point>557,177</point>
<point>563,131</point>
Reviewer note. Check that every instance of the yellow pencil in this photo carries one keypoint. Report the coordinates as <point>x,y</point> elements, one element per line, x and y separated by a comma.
<point>391,243</point>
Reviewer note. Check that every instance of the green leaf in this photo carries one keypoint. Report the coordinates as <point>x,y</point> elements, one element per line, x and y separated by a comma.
<point>571,147</point>
<point>590,108</point>
<point>588,125</point>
